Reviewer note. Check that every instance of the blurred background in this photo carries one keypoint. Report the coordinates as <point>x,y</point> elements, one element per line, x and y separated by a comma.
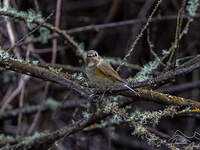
<point>110,27</point>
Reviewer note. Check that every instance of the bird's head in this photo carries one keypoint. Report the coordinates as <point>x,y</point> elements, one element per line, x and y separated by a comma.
<point>92,58</point>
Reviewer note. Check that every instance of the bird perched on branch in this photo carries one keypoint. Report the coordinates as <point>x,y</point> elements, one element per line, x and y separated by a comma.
<point>102,74</point>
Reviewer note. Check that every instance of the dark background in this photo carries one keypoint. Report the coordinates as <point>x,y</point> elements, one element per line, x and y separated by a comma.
<point>114,42</point>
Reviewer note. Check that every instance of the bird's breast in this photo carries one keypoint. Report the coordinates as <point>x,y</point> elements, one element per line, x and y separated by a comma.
<point>99,79</point>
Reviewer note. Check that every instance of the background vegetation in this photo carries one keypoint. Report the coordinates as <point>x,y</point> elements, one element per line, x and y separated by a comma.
<point>46,101</point>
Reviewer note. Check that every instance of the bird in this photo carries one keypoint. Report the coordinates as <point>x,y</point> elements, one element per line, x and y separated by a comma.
<point>101,73</point>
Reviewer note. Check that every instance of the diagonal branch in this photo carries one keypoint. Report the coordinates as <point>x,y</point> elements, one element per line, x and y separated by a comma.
<point>66,80</point>
<point>67,37</point>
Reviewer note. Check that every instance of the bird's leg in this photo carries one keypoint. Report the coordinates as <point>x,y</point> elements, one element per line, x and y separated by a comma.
<point>98,106</point>
<point>95,98</point>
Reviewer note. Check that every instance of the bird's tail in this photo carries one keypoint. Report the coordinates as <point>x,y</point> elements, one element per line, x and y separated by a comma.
<point>136,93</point>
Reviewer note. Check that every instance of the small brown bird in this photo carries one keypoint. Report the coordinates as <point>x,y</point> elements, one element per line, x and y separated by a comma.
<point>101,73</point>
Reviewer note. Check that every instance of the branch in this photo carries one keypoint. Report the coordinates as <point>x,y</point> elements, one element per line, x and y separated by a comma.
<point>21,16</point>
<point>66,80</point>
<point>164,77</point>
<point>44,141</point>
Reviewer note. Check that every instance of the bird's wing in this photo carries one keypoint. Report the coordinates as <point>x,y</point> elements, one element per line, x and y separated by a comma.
<point>107,71</point>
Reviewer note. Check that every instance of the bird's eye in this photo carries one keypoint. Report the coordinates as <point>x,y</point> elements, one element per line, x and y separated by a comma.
<point>92,54</point>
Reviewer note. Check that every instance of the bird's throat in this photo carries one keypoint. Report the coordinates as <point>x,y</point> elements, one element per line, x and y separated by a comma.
<point>91,64</point>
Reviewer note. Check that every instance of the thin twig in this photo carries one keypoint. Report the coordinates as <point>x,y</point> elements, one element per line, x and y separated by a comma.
<point>139,35</point>
<point>27,35</point>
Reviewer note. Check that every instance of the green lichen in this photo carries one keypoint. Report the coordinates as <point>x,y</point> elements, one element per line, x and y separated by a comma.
<point>37,135</point>
<point>6,138</point>
<point>33,15</point>
<point>151,139</point>
<point>52,104</point>
<point>147,117</point>
<point>116,119</point>
<point>4,55</point>
<point>55,69</point>
<point>29,16</point>
<point>44,34</point>
<point>80,51</point>
<point>110,107</point>
<point>192,7</point>
<point>146,72</point>
<point>86,115</point>
<point>165,52</point>
<point>116,98</point>
<point>79,77</point>
<point>35,62</point>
